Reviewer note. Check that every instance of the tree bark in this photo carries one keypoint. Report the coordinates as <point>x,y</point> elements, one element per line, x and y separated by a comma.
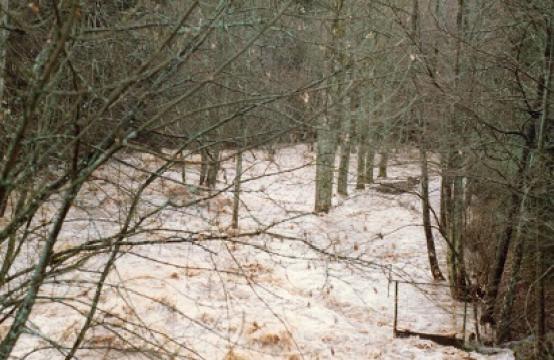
<point>213,168</point>
<point>327,129</point>
<point>383,160</point>
<point>446,194</point>
<point>363,131</point>
<point>325,165</point>
<point>503,326</point>
<point>204,159</point>
<point>181,157</point>
<point>369,163</point>
<point>342,181</point>
<point>454,187</point>
<point>426,212</point>
<point>236,194</point>
<point>3,52</point>
<point>542,193</point>
<point>540,312</point>
<point>458,278</point>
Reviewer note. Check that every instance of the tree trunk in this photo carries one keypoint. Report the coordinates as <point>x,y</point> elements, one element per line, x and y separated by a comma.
<point>495,274</point>
<point>3,52</point>
<point>456,237</point>
<point>213,168</point>
<point>325,164</point>
<point>542,194</point>
<point>431,252</point>
<point>415,112</point>
<point>526,164</point>
<point>540,313</point>
<point>236,195</point>
<point>383,160</point>
<point>12,249</point>
<point>446,194</point>
<point>369,162</point>
<point>3,203</point>
<point>503,327</point>
<point>181,157</point>
<point>363,132</point>
<point>4,32</point>
<point>327,129</point>
<point>203,166</point>
<point>342,181</point>
<point>455,214</point>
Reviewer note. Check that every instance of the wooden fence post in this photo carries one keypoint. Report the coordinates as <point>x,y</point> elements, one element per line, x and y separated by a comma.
<point>395,307</point>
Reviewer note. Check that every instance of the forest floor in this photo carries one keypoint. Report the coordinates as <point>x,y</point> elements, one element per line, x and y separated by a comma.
<point>300,286</point>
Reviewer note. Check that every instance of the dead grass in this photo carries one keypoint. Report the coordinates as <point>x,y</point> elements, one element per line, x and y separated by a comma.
<point>231,355</point>
<point>104,341</point>
<point>252,328</point>
<point>281,340</point>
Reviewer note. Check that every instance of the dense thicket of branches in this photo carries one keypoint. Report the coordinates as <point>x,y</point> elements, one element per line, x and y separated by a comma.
<point>467,83</point>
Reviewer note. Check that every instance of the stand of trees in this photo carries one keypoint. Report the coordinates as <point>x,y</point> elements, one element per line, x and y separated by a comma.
<point>468,84</point>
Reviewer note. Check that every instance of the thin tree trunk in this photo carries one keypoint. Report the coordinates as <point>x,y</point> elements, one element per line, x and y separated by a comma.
<point>342,181</point>
<point>446,193</point>
<point>457,238</point>
<point>236,195</point>
<point>431,252</point>
<point>325,164</point>
<point>3,204</point>
<point>183,168</point>
<point>369,163</point>
<point>3,52</point>
<point>12,249</point>
<point>455,214</point>
<point>540,313</point>
<point>542,194</point>
<point>383,160</point>
<point>4,32</point>
<point>213,168</point>
<point>347,124</point>
<point>327,129</point>
<point>353,128</point>
<point>425,208</point>
<point>363,132</point>
<point>204,160</point>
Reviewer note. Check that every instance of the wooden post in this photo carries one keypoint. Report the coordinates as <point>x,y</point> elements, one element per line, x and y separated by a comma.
<point>395,307</point>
